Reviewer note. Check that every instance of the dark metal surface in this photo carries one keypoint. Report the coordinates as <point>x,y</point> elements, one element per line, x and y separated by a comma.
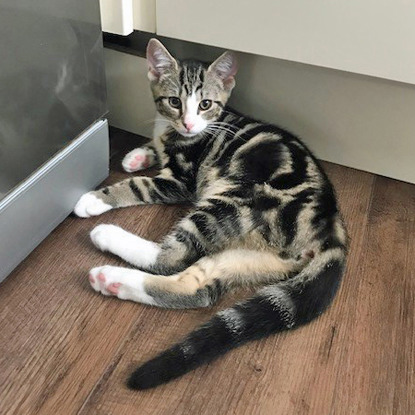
<point>52,81</point>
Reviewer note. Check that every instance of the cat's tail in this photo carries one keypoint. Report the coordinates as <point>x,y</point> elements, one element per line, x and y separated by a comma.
<point>274,308</point>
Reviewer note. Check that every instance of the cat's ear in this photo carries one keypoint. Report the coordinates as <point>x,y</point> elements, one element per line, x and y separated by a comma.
<point>159,60</point>
<point>225,67</point>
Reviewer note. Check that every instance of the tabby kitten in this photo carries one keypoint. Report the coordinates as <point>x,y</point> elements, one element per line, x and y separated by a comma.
<point>265,215</point>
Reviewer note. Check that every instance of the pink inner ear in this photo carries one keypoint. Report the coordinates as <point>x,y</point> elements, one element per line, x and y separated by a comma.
<point>152,60</point>
<point>226,67</point>
<point>233,68</point>
<point>153,70</point>
<point>158,58</point>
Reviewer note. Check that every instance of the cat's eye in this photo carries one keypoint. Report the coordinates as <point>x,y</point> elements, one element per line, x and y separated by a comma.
<point>175,102</point>
<point>205,104</point>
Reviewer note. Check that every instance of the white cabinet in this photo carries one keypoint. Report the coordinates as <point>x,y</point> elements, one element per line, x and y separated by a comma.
<point>117,16</point>
<point>144,15</point>
<point>123,16</point>
<point>371,37</point>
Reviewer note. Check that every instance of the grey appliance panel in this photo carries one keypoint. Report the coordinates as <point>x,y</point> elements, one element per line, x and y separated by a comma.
<point>52,81</point>
<point>34,208</point>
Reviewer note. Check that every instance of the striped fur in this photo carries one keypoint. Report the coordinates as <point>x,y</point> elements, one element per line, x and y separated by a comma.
<point>265,215</point>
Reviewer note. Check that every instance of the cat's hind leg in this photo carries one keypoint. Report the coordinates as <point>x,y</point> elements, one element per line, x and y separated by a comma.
<point>200,285</point>
<point>177,291</point>
<point>139,159</point>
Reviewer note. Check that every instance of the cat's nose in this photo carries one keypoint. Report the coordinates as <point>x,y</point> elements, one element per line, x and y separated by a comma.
<point>188,125</point>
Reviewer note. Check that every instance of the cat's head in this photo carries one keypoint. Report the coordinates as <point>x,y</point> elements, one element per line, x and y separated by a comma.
<point>190,95</point>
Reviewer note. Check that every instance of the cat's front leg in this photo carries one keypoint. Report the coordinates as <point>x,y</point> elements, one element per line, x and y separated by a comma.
<point>162,189</point>
<point>139,159</point>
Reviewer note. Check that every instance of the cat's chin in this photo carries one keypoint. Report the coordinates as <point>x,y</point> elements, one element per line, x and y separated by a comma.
<point>188,135</point>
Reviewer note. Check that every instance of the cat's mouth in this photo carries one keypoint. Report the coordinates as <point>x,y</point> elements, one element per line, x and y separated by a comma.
<point>186,133</point>
<point>194,130</point>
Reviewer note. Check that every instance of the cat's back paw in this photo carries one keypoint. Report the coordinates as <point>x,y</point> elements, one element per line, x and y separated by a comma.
<point>90,205</point>
<point>139,159</point>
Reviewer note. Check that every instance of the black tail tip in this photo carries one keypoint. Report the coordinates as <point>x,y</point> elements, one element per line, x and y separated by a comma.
<point>141,381</point>
<point>162,369</point>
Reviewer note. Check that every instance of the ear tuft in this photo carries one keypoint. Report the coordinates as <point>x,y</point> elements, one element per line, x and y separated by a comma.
<point>225,67</point>
<point>159,60</point>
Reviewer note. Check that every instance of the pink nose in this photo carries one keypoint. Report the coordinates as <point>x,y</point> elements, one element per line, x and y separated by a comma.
<point>188,125</point>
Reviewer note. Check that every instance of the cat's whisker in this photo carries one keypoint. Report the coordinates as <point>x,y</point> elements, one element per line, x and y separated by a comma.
<point>217,131</point>
<point>224,126</point>
<point>220,128</point>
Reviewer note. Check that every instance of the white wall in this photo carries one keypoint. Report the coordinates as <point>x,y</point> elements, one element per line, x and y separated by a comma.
<point>358,121</point>
<point>129,98</point>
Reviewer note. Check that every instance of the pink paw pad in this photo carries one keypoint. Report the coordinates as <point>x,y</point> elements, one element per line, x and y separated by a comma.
<point>139,159</point>
<point>101,277</point>
<point>91,278</point>
<point>146,162</point>
<point>113,288</point>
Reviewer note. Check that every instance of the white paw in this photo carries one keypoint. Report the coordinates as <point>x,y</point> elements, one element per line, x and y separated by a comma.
<point>124,283</point>
<point>131,248</point>
<point>138,159</point>
<point>90,205</point>
<point>105,236</point>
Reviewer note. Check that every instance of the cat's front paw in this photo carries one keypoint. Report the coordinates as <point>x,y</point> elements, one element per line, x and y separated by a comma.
<point>90,205</point>
<point>105,236</point>
<point>139,159</point>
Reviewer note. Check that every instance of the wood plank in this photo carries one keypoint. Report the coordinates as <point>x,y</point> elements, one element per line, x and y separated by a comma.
<point>376,373</point>
<point>293,373</point>
<point>404,394</point>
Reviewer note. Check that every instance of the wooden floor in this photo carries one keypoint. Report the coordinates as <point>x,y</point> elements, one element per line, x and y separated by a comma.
<point>67,350</point>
